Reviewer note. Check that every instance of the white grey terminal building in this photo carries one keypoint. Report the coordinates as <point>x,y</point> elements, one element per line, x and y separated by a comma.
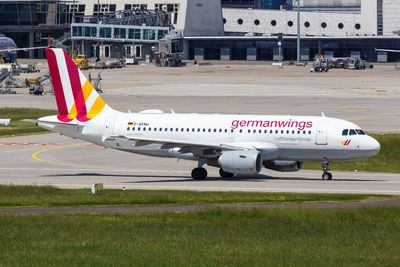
<point>221,29</point>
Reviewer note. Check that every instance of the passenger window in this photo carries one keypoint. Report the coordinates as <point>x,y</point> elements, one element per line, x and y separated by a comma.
<point>232,131</point>
<point>276,131</point>
<point>133,128</point>
<point>155,129</point>
<point>166,129</point>
<point>265,131</point>
<point>345,132</point>
<point>220,130</point>
<point>209,130</point>
<point>249,131</point>
<point>144,129</point>
<point>287,132</point>
<point>182,130</point>
<point>309,132</point>
<point>282,131</point>
<point>187,130</point>
<point>240,130</point>
<point>271,131</point>
<point>128,128</point>
<point>198,129</point>
<point>298,132</point>
<point>254,131</point>
<point>204,129</point>
<point>177,129</point>
<point>226,130</point>
<point>215,130</point>
<point>172,129</point>
<point>293,132</point>
<point>360,132</point>
<point>160,129</point>
<point>192,129</point>
<point>149,129</point>
<point>138,129</point>
<point>352,132</point>
<point>304,132</point>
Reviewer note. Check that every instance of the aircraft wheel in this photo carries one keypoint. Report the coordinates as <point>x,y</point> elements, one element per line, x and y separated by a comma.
<point>199,173</point>
<point>327,176</point>
<point>225,174</point>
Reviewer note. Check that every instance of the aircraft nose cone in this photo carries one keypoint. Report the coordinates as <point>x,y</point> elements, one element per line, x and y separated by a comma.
<point>373,146</point>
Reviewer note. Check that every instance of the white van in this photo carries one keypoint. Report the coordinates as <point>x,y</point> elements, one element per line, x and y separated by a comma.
<point>131,60</point>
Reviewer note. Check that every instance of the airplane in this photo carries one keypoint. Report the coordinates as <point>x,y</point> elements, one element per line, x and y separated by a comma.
<point>8,49</point>
<point>237,144</point>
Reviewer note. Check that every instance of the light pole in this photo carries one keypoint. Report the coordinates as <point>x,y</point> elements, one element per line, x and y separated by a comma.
<point>72,21</point>
<point>298,31</point>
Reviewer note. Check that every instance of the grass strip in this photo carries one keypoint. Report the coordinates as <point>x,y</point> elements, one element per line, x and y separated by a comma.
<point>34,196</point>
<point>387,160</point>
<point>217,237</point>
<point>19,127</point>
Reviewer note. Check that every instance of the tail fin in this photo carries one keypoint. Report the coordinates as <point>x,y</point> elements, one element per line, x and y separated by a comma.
<point>75,96</point>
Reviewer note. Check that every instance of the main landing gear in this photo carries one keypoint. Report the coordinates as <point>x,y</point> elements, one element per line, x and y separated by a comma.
<point>225,174</point>
<point>325,167</point>
<point>199,173</point>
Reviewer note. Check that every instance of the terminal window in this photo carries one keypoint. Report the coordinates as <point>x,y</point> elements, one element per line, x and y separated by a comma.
<point>134,34</point>
<point>135,7</point>
<point>149,34</point>
<point>172,8</point>
<point>103,9</point>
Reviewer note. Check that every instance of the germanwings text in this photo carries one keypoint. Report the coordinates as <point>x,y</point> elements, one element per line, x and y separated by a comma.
<point>301,125</point>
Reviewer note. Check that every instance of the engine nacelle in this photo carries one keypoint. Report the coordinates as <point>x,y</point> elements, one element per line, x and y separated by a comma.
<point>241,162</point>
<point>284,165</point>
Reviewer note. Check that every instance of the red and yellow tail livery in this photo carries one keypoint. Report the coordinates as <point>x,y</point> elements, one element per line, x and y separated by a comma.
<point>76,97</point>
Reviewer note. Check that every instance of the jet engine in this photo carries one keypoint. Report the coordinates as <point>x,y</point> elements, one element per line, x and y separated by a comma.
<point>284,165</point>
<point>241,162</point>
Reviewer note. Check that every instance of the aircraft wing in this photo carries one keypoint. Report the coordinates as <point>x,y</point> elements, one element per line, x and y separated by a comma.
<point>140,141</point>
<point>22,49</point>
<point>388,50</point>
<point>198,147</point>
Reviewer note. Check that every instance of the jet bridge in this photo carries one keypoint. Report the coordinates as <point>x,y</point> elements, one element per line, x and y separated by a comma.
<point>127,27</point>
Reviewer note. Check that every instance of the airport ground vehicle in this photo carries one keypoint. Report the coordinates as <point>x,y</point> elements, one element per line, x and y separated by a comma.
<point>236,144</point>
<point>321,65</point>
<point>355,63</point>
<point>81,61</point>
<point>131,60</point>
<point>36,85</point>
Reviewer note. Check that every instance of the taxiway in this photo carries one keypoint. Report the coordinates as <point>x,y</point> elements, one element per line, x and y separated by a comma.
<point>51,159</point>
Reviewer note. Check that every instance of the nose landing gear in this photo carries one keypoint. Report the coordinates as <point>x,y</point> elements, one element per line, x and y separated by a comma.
<point>325,167</point>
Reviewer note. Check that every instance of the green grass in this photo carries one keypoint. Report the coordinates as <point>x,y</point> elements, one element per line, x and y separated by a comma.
<point>218,237</point>
<point>18,127</point>
<point>16,196</point>
<point>387,160</point>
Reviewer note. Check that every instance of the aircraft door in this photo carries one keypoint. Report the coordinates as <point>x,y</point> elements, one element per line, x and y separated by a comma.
<point>322,134</point>
<point>232,132</point>
<point>109,127</point>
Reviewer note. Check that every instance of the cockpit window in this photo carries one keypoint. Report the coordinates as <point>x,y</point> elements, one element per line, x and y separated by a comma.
<point>345,132</point>
<point>353,132</point>
<point>360,132</point>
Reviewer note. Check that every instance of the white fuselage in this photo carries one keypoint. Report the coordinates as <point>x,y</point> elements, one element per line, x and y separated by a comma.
<point>300,138</point>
